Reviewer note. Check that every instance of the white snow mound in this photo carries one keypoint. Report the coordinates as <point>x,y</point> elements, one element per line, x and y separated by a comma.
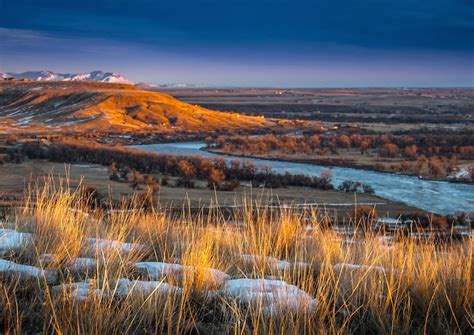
<point>125,287</point>
<point>274,295</point>
<point>26,272</point>
<point>98,245</point>
<point>158,270</point>
<point>12,240</point>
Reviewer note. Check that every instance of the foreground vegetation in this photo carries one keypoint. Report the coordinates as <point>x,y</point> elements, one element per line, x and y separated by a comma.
<point>355,283</point>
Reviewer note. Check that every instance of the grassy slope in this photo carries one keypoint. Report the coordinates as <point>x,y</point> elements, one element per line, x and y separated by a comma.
<point>88,106</point>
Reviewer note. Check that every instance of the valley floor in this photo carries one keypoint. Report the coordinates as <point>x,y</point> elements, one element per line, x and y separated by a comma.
<point>14,177</point>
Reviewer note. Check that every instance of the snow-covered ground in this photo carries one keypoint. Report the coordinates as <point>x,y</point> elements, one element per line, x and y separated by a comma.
<point>273,262</point>
<point>26,272</point>
<point>13,241</point>
<point>159,270</point>
<point>463,173</point>
<point>274,295</point>
<point>271,294</point>
<point>97,245</point>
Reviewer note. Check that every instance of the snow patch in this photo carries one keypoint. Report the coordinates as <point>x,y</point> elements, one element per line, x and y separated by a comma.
<point>26,272</point>
<point>12,240</point>
<point>272,262</point>
<point>79,291</point>
<point>125,287</point>
<point>389,221</point>
<point>99,245</point>
<point>462,174</point>
<point>158,270</point>
<point>274,295</point>
<point>24,120</point>
<point>82,264</point>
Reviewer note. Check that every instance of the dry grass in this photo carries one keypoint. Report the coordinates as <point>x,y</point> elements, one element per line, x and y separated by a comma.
<point>109,107</point>
<point>423,288</point>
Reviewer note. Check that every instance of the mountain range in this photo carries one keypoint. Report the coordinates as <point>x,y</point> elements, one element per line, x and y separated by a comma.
<point>99,76</point>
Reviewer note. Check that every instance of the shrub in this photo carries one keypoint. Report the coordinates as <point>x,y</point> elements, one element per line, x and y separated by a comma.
<point>182,182</point>
<point>229,185</point>
<point>368,189</point>
<point>91,196</point>
<point>355,187</point>
<point>363,215</point>
<point>165,181</point>
<point>215,177</point>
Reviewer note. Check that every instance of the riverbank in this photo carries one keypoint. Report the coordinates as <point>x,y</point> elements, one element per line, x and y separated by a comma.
<point>330,162</point>
<point>434,196</point>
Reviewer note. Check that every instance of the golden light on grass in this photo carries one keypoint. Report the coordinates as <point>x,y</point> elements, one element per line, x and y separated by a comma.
<point>377,287</point>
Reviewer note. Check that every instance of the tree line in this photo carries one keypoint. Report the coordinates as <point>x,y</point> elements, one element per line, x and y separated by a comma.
<point>436,155</point>
<point>218,173</point>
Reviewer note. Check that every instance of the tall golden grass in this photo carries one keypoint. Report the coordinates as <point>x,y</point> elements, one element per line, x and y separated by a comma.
<point>425,288</point>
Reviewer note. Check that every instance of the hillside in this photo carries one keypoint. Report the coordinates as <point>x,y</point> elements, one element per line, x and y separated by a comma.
<point>90,106</point>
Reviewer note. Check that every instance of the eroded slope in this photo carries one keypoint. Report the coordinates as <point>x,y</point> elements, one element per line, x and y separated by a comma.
<point>82,107</point>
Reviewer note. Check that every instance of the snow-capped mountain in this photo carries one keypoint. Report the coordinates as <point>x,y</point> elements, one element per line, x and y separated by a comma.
<point>106,77</point>
<point>4,76</point>
<point>38,75</point>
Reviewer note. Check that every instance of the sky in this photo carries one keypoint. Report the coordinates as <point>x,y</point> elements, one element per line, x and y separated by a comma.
<point>279,43</point>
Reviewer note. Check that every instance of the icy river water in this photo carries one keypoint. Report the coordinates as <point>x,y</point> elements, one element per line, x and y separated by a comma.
<point>434,196</point>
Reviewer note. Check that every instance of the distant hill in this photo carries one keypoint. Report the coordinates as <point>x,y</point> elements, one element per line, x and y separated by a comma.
<point>61,106</point>
<point>100,76</point>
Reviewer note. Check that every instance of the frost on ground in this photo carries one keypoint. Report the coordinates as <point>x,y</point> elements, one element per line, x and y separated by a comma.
<point>26,272</point>
<point>274,295</point>
<point>13,241</point>
<point>158,270</point>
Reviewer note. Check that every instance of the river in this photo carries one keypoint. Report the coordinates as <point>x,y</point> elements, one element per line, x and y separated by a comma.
<point>434,196</point>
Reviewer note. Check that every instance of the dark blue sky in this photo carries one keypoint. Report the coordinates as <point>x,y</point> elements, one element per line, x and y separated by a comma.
<point>246,43</point>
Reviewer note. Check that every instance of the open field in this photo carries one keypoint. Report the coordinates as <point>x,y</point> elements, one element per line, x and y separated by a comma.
<point>378,105</point>
<point>14,178</point>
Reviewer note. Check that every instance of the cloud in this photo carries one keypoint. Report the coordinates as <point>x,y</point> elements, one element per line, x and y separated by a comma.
<point>10,37</point>
<point>27,40</point>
